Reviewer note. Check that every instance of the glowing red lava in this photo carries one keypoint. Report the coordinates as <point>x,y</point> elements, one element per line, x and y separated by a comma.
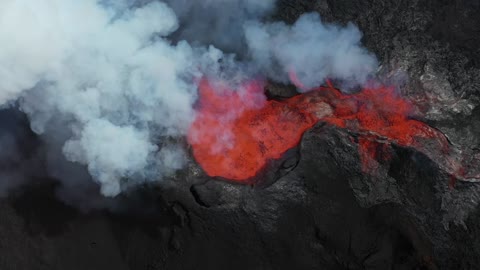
<point>235,133</point>
<point>234,140</point>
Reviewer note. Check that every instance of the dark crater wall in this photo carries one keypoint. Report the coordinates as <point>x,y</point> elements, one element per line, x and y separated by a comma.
<point>323,213</point>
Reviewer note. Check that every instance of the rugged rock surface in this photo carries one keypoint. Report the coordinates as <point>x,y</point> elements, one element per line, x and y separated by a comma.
<point>317,209</point>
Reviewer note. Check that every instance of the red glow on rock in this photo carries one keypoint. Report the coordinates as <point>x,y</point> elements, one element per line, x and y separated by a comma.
<point>234,134</point>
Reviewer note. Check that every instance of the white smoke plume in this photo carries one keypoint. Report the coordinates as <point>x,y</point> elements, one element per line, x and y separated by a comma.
<point>314,51</point>
<point>108,84</point>
<point>108,76</point>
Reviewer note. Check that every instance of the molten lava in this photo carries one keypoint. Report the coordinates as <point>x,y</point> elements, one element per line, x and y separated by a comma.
<point>234,140</point>
<point>236,133</point>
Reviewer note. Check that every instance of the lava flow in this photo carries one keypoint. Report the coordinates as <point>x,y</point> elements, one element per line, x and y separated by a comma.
<point>234,139</point>
<point>236,133</point>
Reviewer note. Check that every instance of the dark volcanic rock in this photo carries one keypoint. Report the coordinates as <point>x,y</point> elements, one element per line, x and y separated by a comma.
<point>310,218</point>
<point>325,214</point>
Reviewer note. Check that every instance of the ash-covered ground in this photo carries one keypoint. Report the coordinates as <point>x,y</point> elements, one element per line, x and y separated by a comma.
<point>316,209</point>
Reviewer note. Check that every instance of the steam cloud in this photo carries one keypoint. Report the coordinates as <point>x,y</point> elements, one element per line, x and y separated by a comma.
<point>312,50</point>
<point>110,85</point>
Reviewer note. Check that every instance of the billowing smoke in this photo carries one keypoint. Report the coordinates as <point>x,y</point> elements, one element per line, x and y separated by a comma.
<point>106,76</point>
<point>110,85</point>
<point>313,51</point>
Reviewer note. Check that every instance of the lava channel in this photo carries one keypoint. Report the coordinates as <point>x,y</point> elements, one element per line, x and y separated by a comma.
<point>235,133</point>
